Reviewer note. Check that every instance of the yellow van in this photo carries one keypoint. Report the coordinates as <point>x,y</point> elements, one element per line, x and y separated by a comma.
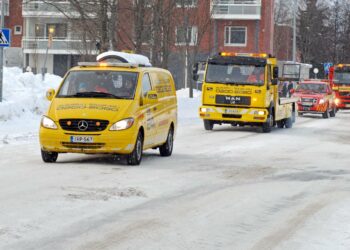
<point>111,107</point>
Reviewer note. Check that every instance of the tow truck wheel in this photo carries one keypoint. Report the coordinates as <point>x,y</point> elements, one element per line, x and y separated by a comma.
<point>267,126</point>
<point>332,113</point>
<point>208,125</point>
<point>135,157</point>
<point>288,122</point>
<point>49,157</point>
<point>325,115</point>
<point>280,124</point>
<point>167,148</point>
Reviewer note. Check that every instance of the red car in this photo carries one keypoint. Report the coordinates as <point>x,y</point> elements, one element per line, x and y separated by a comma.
<point>315,97</point>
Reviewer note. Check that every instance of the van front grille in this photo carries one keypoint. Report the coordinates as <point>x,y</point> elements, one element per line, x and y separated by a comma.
<point>83,145</point>
<point>83,125</point>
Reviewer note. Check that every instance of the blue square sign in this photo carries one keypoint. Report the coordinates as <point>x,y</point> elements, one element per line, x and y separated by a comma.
<point>5,37</point>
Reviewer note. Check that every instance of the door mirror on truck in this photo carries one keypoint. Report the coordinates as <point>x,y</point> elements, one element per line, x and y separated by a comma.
<point>195,75</point>
<point>275,72</point>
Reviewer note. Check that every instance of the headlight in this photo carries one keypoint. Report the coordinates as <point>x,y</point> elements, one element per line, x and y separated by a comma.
<point>337,101</point>
<point>48,123</point>
<point>321,101</point>
<point>203,110</point>
<point>261,113</point>
<point>123,124</point>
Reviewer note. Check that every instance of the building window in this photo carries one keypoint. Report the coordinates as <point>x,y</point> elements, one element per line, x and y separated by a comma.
<point>18,30</point>
<point>186,3</point>
<point>58,30</point>
<point>40,30</point>
<point>186,35</point>
<point>146,36</point>
<point>235,36</point>
<point>6,7</point>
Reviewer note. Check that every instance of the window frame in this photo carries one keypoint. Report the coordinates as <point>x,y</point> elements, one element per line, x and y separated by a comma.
<point>182,4</point>
<point>15,30</point>
<point>194,36</point>
<point>229,38</point>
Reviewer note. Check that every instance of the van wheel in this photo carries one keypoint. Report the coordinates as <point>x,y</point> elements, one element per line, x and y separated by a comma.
<point>167,148</point>
<point>332,113</point>
<point>135,157</point>
<point>300,114</point>
<point>325,115</point>
<point>288,122</point>
<point>49,157</point>
<point>208,125</point>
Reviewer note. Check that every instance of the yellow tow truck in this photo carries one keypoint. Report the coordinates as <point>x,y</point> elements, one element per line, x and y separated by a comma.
<point>242,89</point>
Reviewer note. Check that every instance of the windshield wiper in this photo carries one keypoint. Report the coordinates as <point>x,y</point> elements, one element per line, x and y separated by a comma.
<point>95,94</point>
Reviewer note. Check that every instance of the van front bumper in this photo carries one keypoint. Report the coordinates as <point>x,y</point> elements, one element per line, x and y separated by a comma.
<point>104,142</point>
<point>228,114</point>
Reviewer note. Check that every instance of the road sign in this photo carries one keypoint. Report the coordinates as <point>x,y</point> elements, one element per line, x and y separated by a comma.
<point>326,67</point>
<point>5,38</point>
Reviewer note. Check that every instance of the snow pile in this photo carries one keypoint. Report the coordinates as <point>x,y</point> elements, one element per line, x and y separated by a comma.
<point>24,93</point>
<point>188,107</point>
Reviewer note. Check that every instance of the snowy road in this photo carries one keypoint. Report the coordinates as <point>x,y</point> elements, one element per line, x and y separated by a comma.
<point>232,188</point>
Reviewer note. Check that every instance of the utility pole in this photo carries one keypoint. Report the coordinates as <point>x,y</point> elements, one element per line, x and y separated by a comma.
<point>295,30</point>
<point>2,49</point>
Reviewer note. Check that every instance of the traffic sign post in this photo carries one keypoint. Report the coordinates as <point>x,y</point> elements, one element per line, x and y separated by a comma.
<point>5,41</point>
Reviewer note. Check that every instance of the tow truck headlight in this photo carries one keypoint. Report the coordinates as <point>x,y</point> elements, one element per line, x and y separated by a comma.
<point>322,101</point>
<point>122,125</point>
<point>48,123</point>
<point>204,110</point>
<point>261,113</point>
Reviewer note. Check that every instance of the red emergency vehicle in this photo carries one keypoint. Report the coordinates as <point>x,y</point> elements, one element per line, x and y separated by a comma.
<point>315,97</point>
<point>339,77</point>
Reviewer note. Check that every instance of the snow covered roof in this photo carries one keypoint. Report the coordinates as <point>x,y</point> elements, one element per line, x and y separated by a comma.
<point>116,56</point>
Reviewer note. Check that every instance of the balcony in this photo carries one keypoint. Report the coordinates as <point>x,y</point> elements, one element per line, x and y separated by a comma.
<point>236,9</point>
<point>58,46</point>
<point>41,9</point>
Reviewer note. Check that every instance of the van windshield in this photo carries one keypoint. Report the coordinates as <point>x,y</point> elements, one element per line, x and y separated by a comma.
<point>99,84</point>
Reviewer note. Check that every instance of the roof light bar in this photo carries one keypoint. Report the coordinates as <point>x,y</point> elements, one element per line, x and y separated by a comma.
<point>261,55</point>
<point>104,64</point>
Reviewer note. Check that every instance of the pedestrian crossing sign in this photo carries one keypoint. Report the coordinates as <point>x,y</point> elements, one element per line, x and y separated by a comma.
<point>5,37</point>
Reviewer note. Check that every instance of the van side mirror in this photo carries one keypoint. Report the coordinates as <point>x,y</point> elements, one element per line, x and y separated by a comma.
<point>275,72</point>
<point>50,94</point>
<point>151,97</point>
<point>195,75</point>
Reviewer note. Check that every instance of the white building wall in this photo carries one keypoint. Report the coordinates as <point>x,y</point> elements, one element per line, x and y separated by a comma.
<point>37,61</point>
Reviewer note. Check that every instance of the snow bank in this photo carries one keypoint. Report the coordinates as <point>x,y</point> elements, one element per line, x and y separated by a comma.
<point>24,93</point>
<point>188,107</point>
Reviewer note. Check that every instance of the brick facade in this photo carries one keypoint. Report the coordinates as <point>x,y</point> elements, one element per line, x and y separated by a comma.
<point>15,19</point>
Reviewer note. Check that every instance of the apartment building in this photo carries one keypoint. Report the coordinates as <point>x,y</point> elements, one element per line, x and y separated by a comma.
<point>49,42</point>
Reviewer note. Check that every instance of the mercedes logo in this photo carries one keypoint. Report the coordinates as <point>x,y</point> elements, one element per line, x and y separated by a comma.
<point>83,125</point>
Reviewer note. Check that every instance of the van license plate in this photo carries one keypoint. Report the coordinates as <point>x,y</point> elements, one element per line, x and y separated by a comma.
<point>82,139</point>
